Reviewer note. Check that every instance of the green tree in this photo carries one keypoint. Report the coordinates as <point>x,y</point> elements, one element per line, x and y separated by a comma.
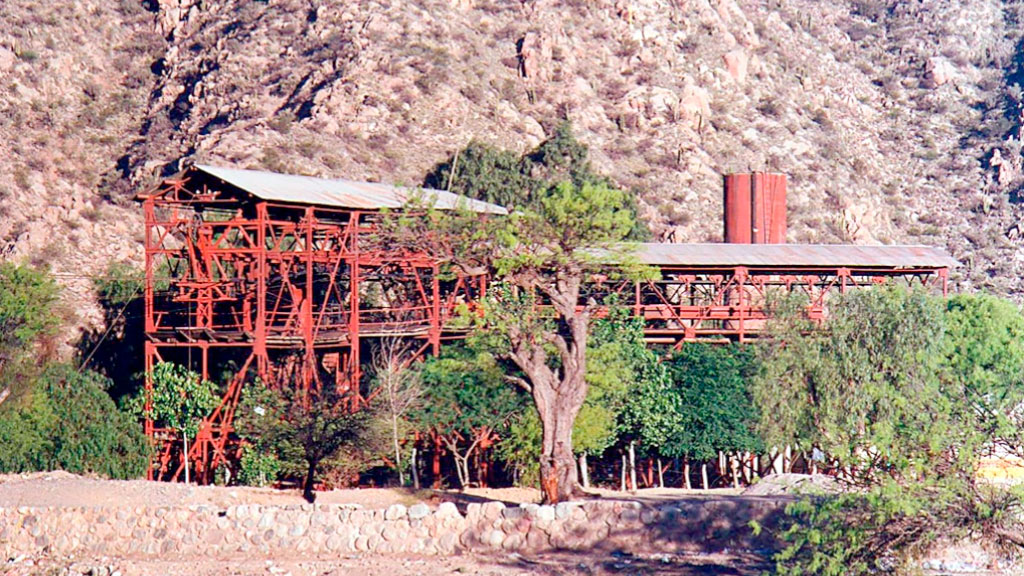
<point>27,426</point>
<point>905,391</point>
<point>500,176</point>
<point>28,320</point>
<point>307,432</point>
<point>179,400</point>
<point>702,404</point>
<point>92,434</point>
<point>467,402</point>
<point>541,256</point>
<point>983,351</point>
<point>27,308</point>
<point>864,387</point>
<point>484,173</point>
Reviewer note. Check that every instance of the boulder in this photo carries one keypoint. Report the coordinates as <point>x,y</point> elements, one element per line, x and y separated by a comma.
<point>737,63</point>
<point>938,71</point>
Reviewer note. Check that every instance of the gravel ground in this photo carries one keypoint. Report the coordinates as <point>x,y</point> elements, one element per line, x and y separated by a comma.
<point>555,564</point>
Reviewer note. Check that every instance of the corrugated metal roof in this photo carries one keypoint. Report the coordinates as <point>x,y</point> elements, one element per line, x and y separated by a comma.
<point>793,255</point>
<point>291,189</point>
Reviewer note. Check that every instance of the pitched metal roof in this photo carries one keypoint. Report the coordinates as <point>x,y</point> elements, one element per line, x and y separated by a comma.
<point>337,193</point>
<point>793,255</point>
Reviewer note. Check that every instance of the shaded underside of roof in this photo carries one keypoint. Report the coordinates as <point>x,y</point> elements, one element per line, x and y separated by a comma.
<point>337,193</point>
<point>795,256</point>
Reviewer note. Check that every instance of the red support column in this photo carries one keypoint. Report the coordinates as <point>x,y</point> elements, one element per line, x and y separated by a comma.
<point>309,362</point>
<point>353,317</point>
<point>435,312</point>
<point>147,426</point>
<point>259,344</point>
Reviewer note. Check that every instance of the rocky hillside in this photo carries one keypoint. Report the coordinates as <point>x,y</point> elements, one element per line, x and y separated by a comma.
<point>896,121</point>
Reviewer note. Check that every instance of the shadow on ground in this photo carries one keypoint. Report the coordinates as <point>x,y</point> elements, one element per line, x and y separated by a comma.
<point>616,563</point>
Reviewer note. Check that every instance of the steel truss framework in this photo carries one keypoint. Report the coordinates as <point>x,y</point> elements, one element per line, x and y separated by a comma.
<point>238,289</point>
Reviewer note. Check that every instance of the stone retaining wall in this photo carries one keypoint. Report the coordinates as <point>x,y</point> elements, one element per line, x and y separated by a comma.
<point>332,529</point>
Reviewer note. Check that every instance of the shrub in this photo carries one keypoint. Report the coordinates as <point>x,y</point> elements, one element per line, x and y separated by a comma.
<point>67,421</point>
<point>258,468</point>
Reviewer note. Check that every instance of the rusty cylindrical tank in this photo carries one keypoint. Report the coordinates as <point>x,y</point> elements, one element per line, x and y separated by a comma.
<point>755,208</point>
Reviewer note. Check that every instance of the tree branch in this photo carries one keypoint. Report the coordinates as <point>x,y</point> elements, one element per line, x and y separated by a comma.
<point>519,382</point>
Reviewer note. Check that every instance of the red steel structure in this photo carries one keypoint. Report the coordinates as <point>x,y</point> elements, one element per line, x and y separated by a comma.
<point>260,275</point>
<point>243,276</point>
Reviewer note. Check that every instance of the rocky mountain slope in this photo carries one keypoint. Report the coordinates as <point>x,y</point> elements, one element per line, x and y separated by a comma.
<point>896,121</point>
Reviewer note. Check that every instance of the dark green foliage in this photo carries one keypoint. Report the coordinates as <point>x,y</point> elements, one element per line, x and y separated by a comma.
<point>466,400</point>
<point>69,422</point>
<point>92,434</point>
<point>702,406</point>
<point>121,284</point>
<point>465,389</point>
<point>865,382</point>
<point>300,435</point>
<point>502,177</point>
<point>27,424</point>
<point>483,173</point>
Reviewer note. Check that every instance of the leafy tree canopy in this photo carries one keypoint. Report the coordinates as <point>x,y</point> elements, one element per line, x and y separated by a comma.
<point>502,177</point>
<point>863,388</point>
<point>465,390</point>
<point>180,398</point>
<point>306,433</point>
<point>702,404</point>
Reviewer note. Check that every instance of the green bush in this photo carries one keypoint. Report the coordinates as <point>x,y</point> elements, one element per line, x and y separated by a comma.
<point>887,528</point>
<point>903,392</point>
<point>68,421</point>
<point>257,468</point>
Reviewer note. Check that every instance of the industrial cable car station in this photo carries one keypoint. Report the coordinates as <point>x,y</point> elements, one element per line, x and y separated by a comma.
<point>254,274</point>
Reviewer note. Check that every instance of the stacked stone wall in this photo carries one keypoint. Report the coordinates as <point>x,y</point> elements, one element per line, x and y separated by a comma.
<point>325,529</point>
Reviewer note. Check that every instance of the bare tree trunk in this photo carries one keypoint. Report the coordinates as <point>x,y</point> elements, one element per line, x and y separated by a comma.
<point>415,472</point>
<point>557,393</point>
<point>398,449</point>
<point>584,473</point>
<point>686,473</point>
<point>632,466</point>
<point>184,440</point>
<point>558,477</point>
<point>622,475</point>
<point>704,474</point>
<point>661,474</point>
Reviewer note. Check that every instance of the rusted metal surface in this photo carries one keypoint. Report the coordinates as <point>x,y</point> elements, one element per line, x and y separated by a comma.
<point>793,256</point>
<point>334,193</point>
<point>755,208</point>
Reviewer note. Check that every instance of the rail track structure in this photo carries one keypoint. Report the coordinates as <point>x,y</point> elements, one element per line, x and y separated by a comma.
<point>254,274</point>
